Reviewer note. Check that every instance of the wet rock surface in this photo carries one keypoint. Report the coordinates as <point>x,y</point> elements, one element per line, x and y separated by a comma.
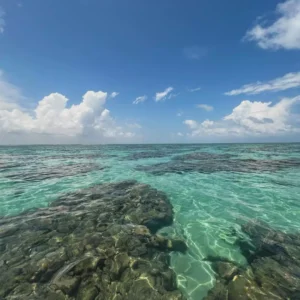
<point>98,243</point>
<point>211,163</point>
<point>49,172</point>
<point>273,271</point>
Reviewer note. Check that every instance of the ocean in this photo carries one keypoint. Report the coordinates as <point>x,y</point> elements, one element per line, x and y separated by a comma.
<point>213,188</point>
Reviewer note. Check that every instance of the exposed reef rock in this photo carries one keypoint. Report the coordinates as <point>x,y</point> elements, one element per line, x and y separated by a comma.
<point>273,271</point>
<point>98,243</point>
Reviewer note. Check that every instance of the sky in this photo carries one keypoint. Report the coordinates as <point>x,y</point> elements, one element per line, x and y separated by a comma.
<point>159,71</point>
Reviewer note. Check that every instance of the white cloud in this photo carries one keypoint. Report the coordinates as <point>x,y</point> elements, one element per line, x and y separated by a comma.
<point>179,134</point>
<point>114,94</point>
<point>140,99</point>
<point>105,126</point>
<point>194,52</point>
<point>284,32</point>
<point>262,117</point>
<point>207,123</point>
<point>194,90</point>
<point>288,81</point>
<point>163,95</point>
<point>51,119</point>
<point>2,22</point>
<point>205,107</point>
<point>191,123</point>
<point>251,119</point>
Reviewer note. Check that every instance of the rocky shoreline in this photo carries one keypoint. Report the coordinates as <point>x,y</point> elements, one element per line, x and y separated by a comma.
<point>98,243</point>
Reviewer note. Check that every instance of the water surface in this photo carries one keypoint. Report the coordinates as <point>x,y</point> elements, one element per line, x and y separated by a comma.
<point>213,189</point>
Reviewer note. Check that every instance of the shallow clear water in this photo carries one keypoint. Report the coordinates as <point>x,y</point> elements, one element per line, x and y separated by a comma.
<point>211,197</point>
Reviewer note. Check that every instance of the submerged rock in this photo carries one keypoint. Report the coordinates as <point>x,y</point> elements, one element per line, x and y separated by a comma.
<point>225,270</point>
<point>273,271</point>
<point>146,154</point>
<point>203,156</point>
<point>59,171</point>
<point>98,243</point>
<point>211,163</point>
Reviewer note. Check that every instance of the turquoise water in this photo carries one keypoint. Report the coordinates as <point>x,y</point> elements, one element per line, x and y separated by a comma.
<point>212,192</point>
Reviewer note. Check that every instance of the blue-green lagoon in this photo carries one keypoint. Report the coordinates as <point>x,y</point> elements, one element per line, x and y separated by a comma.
<point>214,189</point>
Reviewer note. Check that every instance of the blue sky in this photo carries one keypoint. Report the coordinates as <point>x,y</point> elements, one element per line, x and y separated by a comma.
<point>196,50</point>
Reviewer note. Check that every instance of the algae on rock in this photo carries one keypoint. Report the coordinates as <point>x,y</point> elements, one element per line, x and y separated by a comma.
<point>98,243</point>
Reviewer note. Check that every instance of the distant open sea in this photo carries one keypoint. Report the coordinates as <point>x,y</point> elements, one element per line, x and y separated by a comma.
<point>213,188</point>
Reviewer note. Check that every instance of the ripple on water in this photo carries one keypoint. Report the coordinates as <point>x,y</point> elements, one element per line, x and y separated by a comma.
<point>212,193</point>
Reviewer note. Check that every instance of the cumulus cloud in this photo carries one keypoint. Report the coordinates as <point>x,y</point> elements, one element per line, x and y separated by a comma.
<point>205,107</point>
<point>288,81</point>
<point>284,32</point>
<point>263,117</point>
<point>194,52</point>
<point>191,123</point>
<point>2,22</point>
<point>52,116</point>
<point>163,95</point>
<point>194,90</point>
<point>140,99</point>
<point>89,120</point>
<point>251,119</point>
<point>114,94</point>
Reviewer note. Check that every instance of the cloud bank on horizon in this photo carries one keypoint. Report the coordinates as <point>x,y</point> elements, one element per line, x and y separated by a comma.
<point>252,119</point>
<point>87,121</point>
<point>90,121</point>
